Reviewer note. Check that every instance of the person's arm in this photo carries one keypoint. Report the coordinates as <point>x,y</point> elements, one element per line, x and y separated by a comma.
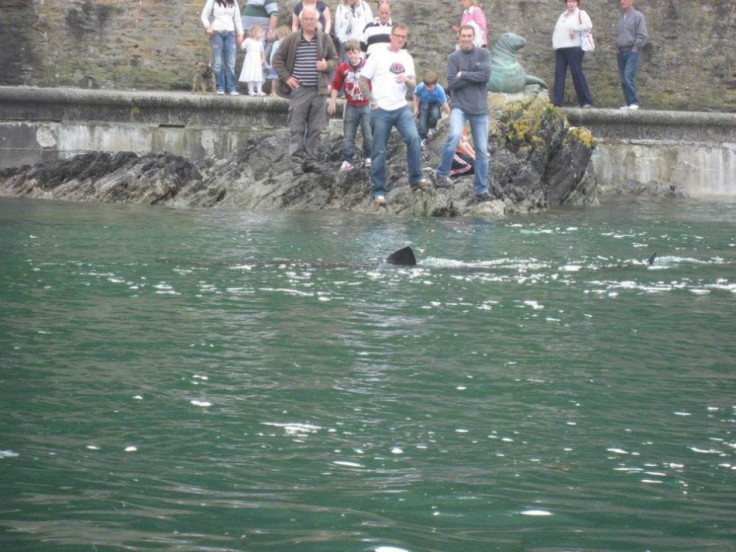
<point>238,21</point>
<point>279,63</point>
<point>446,108</point>
<point>206,14</point>
<point>341,25</point>
<point>480,18</point>
<point>332,106</point>
<point>585,24</point>
<point>415,103</point>
<point>329,54</point>
<point>328,20</point>
<point>466,78</point>
<point>294,21</point>
<point>409,80</point>
<point>453,80</point>
<point>641,34</point>
<point>273,21</point>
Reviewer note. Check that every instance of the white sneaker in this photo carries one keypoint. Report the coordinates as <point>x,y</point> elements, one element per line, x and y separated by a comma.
<point>346,166</point>
<point>380,200</point>
<point>624,107</point>
<point>234,93</point>
<point>367,162</point>
<point>634,106</point>
<point>220,92</point>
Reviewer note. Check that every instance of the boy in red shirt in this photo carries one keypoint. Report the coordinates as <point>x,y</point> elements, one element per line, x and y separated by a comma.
<point>357,91</point>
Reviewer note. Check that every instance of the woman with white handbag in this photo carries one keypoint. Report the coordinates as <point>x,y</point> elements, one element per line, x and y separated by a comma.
<point>572,31</point>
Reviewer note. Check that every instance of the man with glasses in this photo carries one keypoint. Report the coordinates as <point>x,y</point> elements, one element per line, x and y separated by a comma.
<point>468,71</point>
<point>391,72</point>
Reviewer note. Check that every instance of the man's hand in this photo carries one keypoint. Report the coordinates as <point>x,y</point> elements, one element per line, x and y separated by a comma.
<point>331,107</point>
<point>321,65</point>
<point>293,83</point>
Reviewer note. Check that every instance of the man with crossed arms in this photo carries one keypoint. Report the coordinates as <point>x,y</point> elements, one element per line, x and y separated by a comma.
<point>468,71</point>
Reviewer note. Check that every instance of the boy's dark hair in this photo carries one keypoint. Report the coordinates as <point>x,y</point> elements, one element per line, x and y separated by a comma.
<point>430,77</point>
<point>352,44</point>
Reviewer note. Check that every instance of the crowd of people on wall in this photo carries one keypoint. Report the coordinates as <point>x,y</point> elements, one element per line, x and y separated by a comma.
<point>365,59</point>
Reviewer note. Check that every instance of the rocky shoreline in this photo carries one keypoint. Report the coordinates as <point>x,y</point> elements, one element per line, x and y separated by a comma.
<point>536,161</point>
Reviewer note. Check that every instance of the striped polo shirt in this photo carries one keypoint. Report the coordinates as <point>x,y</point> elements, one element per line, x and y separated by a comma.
<point>305,64</point>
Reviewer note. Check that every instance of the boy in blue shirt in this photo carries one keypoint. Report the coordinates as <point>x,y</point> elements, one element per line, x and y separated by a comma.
<point>429,97</point>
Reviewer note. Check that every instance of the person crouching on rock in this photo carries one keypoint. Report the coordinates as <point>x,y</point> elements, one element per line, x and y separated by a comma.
<point>357,104</point>
<point>302,63</point>
<point>391,72</point>
<point>463,162</point>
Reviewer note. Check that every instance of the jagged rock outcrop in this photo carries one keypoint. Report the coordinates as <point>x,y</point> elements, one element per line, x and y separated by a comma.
<point>536,161</point>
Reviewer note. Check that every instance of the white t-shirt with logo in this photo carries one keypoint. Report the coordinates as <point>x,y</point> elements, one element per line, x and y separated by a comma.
<point>382,68</point>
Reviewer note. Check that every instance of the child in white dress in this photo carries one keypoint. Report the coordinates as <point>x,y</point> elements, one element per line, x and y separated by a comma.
<point>255,57</point>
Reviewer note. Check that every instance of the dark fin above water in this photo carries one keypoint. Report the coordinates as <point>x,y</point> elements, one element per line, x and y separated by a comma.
<point>402,257</point>
<point>650,260</point>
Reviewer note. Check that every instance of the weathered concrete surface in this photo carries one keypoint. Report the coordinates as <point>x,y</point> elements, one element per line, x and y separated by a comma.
<point>635,151</point>
<point>655,152</point>
<point>543,165</point>
<point>41,124</point>
<point>689,63</point>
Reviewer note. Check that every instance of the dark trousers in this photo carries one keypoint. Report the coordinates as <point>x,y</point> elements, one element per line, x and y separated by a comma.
<point>572,58</point>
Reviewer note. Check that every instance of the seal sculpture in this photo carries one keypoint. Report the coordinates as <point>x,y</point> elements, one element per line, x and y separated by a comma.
<point>508,75</point>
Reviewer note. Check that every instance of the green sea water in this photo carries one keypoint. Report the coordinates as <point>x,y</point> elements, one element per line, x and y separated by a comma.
<point>193,380</point>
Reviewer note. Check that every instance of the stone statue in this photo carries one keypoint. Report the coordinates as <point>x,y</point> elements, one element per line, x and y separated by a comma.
<point>508,75</point>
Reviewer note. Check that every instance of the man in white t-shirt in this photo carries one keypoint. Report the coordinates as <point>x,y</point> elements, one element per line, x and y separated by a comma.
<point>391,72</point>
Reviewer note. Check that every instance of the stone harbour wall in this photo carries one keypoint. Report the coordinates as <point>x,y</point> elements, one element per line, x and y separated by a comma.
<point>636,152</point>
<point>689,63</point>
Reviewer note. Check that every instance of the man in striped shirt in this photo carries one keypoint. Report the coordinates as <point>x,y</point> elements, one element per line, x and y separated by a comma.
<point>303,62</point>
<point>377,34</point>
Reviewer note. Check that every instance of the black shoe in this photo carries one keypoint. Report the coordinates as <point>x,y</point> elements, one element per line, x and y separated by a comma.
<point>484,197</point>
<point>297,170</point>
<point>442,182</point>
<point>313,168</point>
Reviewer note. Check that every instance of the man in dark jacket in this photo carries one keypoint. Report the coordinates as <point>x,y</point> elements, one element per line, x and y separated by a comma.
<point>302,63</point>
<point>468,71</point>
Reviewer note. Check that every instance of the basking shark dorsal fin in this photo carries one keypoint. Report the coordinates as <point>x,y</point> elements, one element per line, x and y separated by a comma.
<point>650,260</point>
<point>402,257</point>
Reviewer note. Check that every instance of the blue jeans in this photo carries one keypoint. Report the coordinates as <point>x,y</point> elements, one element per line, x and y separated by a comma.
<point>628,65</point>
<point>223,52</point>
<point>381,122</point>
<point>573,58</point>
<point>479,130</point>
<point>355,116</point>
<point>429,114</point>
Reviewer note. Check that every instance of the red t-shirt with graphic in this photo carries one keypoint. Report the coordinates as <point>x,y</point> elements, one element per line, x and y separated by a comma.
<point>357,90</point>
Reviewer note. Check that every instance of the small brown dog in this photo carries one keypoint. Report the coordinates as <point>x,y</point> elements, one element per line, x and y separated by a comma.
<point>204,77</point>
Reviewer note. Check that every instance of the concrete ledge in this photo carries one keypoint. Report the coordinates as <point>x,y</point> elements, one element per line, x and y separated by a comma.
<point>694,152</point>
<point>643,124</point>
<point>150,108</point>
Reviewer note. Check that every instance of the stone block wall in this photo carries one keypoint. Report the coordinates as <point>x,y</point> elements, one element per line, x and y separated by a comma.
<point>689,64</point>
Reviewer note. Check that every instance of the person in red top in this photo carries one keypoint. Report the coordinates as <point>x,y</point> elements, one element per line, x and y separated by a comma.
<point>464,160</point>
<point>357,92</point>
